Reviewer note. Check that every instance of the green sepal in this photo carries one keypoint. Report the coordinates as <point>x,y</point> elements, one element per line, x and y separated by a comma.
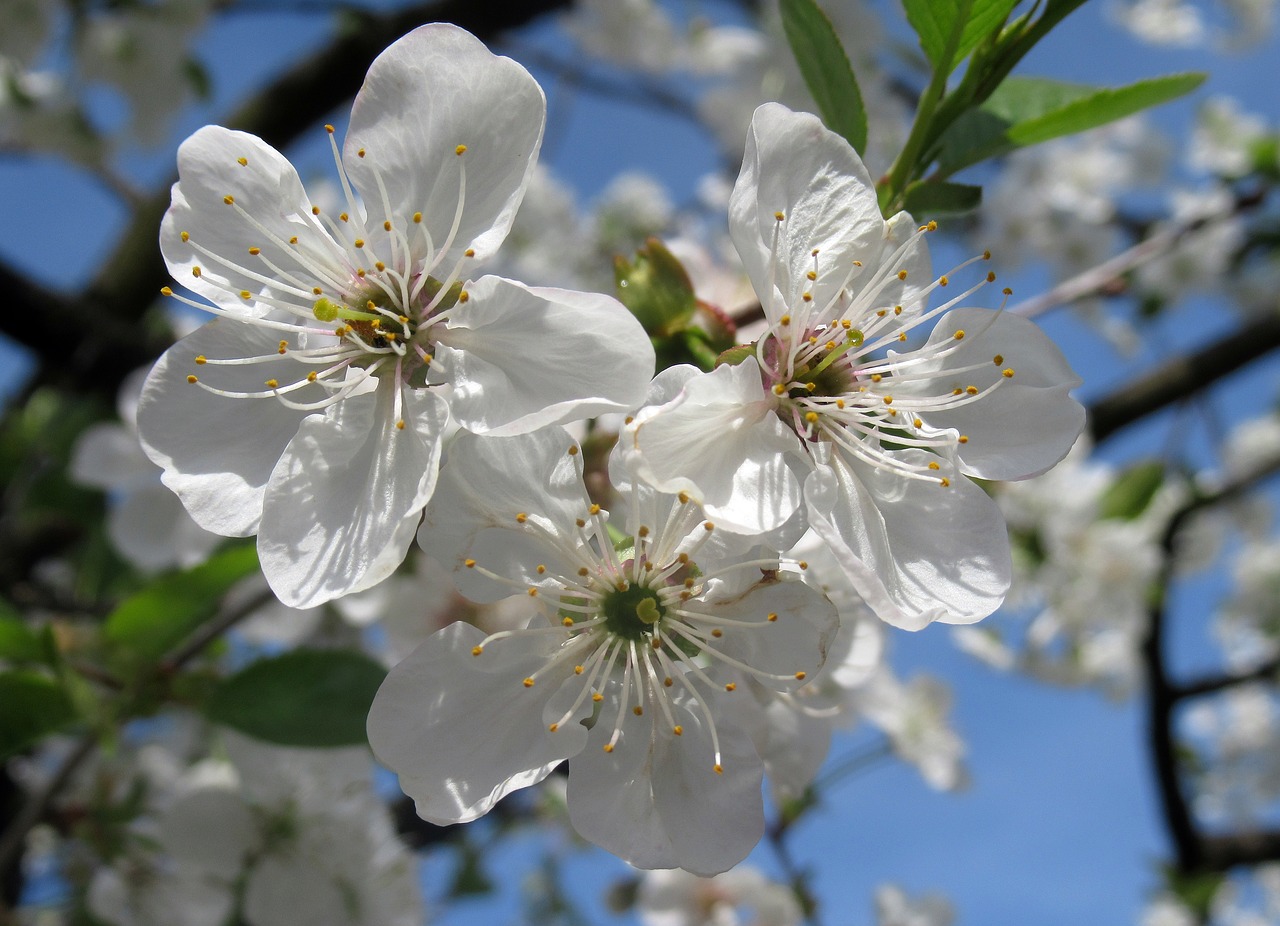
<point>656,289</point>
<point>736,355</point>
<point>1132,492</point>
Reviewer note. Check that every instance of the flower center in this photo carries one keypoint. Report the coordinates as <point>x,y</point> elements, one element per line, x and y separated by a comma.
<point>631,613</point>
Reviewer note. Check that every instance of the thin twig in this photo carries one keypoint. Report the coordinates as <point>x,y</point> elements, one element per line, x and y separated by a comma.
<point>12,839</point>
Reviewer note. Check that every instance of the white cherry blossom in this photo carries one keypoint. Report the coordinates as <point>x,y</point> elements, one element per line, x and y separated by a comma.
<point>826,415</point>
<point>624,671</point>
<point>311,412</point>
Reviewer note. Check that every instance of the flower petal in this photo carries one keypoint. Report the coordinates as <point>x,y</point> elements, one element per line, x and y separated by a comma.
<point>522,357</point>
<point>218,453</point>
<point>720,441</point>
<point>916,551</point>
<point>343,488</point>
<point>435,89</point>
<point>1027,424</point>
<point>463,731</point>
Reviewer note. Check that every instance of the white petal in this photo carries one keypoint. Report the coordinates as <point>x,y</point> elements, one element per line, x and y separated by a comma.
<point>522,357</point>
<point>794,642</point>
<point>431,91</point>
<point>152,530</point>
<point>721,442</point>
<point>1027,424</point>
<point>342,490</point>
<point>796,166</point>
<point>218,453</point>
<point>212,828</point>
<point>267,188</point>
<point>287,889</point>
<point>486,482</point>
<point>656,800</point>
<point>108,456</point>
<point>916,551</point>
<point>463,731</point>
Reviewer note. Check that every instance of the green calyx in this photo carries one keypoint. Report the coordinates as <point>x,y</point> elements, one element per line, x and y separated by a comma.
<point>631,613</point>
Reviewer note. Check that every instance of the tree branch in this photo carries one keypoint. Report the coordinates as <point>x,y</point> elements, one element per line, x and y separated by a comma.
<point>1183,377</point>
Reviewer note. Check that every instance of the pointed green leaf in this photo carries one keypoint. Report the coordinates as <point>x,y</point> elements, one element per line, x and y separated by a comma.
<point>929,200</point>
<point>317,698</point>
<point>1028,110</point>
<point>31,707</point>
<point>148,624</point>
<point>936,20</point>
<point>826,70</point>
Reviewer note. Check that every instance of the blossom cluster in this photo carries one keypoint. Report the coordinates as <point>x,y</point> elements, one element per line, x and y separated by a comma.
<point>362,386</point>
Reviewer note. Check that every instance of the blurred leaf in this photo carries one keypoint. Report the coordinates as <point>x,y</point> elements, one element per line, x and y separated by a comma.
<point>826,70</point>
<point>470,878</point>
<point>301,698</point>
<point>936,20</point>
<point>153,621</point>
<point>18,642</point>
<point>928,200</point>
<point>656,288</point>
<point>1132,491</point>
<point>1196,891</point>
<point>31,707</point>
<point>1028,110</point>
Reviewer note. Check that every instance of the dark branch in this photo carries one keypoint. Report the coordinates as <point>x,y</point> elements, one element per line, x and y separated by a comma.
<point>1214,683</point>
<point>1183,377</point>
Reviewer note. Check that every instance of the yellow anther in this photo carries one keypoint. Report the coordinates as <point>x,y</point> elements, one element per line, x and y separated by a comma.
<point>469,252</point>
<point>959,335</point>
<point>417,218</point>
<point>312,376</point>
<point>243,162</point>
<point>245,294</point>
<point>344,217</point>
<point>813,253</point>
<point>521,517</point>
<point>254,252</point>
<point>717,633</point>
<point>942,280</point>
<point>972,390</point>
<point>811,275</point>
<point>856,263</point>
<point>400,425</point>
<point>772,617</point>
<point>779,389</point>
<point>897,310</point>
<point>811,417</point>
<point>689,583</point>
<point>608,747</point>
<point>683,558</point>
<point>595,509</point>
<point>464,296</point>
<point>554,727</point>
<point>802,564</point>
<point>963,438</point>
<point>678,730</point>
<point>195,272</point>
<point>528,683</point>
<point>566,622</point>
<point>642,532</point>
<point>638,710</point>
<point>379,266</point>
<point>584,571</point>
<point>360,153</point>
<point>597,697</point>
<point>201,359</point>
<point>888,400</point>
<point>315,210</point>
<point>533,591</point>
<point>578,670</point>
<point>573,450</point>
<point>282,347</point>
<point>876,377</point>
<point>719,769</point>
<point>580,522</point>
<point>902,274</point>
<point>293,240</point>
<point>359,242</point>
<point>830,345</point>
<point>386,225</point>
<point>731,687</point>
<point>328,128</point>
<point>684,498</point>
<point>917,422</point>
<point>779,216</point>
<point>800,676</point>
<point>469,563</point>
<point>944,481</point>
<point>784,320</point>
<point>708,526</point>
<point>185,237</point>
<point>541,569</point>
<point>807,297</point>
<point>229,199</point>
<point>839,403</point>
<point>934,465</point>
<point>477,650</point>
<point>316,290</point>
<point>932,226</point>
<point>1007,291</point>
<point>991,276</point>
<point>998,359</point>
<point>956,391</point>
<point>1007,373</point>
<point>191,379</point>
<point>460,150</point>
<point>986,255</point>
<point>273,384</point>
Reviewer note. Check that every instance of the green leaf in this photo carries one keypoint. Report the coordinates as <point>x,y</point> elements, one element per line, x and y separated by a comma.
<point>31,707</point>
<point>148,624</point>
<point>304,697</point>
<point>18,642</point>
<point>826,70</point>
<point>1028,110</point>
<point>936,20</point>
<point>1132,491</point>
<point>928,200</point>
<point>656,288</point>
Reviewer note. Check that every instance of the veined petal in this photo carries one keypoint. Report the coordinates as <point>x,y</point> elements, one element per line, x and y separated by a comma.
<point>463,731</point>
<point>201,222</point>
<point>791,625</point>
<point>342,489</point>
<point>795,166</point>
<point>656,800</point>
<point>523,357</point>
<point>430,92</point>
<point>916,551</point>
<point>720,441</point>
<point>486,482</point>
<point>1027,424</point>
<point>218,453</point>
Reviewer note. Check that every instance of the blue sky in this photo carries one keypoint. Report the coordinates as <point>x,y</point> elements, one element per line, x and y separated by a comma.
<point>1060,825</point>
